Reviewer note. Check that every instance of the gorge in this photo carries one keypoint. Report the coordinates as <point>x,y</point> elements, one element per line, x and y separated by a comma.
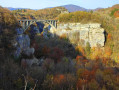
<point>57,50</point>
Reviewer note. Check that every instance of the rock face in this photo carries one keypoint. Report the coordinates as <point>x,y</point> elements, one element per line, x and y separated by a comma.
<point>76,32</point>
<point>23,42</point>
<point>29,62</point>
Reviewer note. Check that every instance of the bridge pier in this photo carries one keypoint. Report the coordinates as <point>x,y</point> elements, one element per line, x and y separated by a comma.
<point>51,22</point>
<point>23,24</point>
<point>55,24</point>
<point>30,22</point>
<point>27,23</point>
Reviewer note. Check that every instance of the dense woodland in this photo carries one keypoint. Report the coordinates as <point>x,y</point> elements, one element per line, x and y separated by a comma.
<point>8,23</point>
<point>66,66</point>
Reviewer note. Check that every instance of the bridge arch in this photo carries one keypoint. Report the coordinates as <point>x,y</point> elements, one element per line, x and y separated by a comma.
<point>27,23</point>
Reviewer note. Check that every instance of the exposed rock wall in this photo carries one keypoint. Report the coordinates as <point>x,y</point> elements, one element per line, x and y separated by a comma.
<point>76,32</point>
<point>23,42</point>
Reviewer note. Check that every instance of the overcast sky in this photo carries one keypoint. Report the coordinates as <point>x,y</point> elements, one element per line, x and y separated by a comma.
<point>39,4</point>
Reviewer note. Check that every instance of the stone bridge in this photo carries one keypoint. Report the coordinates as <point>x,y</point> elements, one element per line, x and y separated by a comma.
<point>26,23</point>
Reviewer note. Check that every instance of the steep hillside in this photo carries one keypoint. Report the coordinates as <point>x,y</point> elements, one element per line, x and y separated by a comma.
<point>110,25</point>
<point>55,62</point>
<point>8,23</point>
<point>111,11</point>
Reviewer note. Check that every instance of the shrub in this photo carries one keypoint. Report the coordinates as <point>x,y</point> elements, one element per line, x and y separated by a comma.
<point>87,49</point>
<point>56,54</point>
<point>113,11</point>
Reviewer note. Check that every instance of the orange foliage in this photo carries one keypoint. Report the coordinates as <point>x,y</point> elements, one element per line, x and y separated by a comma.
<point>80,83</point>
<point>109,36</point>
<point>63,36</point>
<point>79,57</point>
<point>108,52</point>
<point>29,17</point>
<point>88,75</point>
<point>80,49</point>
<point>45,50</point>
<point>58,79</point>
<point>41,34</point>
<point>116,14</point>
<point>97,57</point>
<point>114,27</point>
<point>108,71</point>
<point>117,78</point>
<point>105,61</point>
<point>118,57</point>
<point>84,61</point>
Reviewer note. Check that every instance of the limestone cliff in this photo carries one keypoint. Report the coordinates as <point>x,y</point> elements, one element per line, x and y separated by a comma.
<point>77,33</point>
<point>22,42</point>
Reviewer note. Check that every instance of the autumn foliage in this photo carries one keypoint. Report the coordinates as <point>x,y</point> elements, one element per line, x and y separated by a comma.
<point>81,50</point>
<point>58,78</point>
<point>45,50</point>
<point>63,36</point>
<point>116,14</point>
<point>56,54</point>
<point>109,36</point>
<point>61,65</point>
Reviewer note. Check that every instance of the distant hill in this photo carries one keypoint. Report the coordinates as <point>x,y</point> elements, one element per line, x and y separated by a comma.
<point>97,9</point>
<point>69,7</point>
<point>73,8</point>
<point>11,8</point>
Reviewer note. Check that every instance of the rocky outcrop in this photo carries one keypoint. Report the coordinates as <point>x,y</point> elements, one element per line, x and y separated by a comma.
<point>29,62</point>
<point>23,42</point>
<point>77,33</point>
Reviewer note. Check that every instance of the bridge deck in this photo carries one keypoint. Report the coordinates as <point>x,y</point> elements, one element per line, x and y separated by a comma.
<point>26,23</point>
<point>37,20</point>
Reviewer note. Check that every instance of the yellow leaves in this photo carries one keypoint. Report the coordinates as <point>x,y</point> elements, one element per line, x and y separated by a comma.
<point>63,36</point>
<point>80,49</point>
<point>116,58</point>
<point>108,52</point>
<point>96,53</point>
<point>79,16</point>
<point>93,85</point>
<point>109,36</point>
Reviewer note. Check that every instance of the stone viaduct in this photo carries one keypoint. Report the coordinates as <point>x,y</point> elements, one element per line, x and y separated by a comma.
<point>26,23</point>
